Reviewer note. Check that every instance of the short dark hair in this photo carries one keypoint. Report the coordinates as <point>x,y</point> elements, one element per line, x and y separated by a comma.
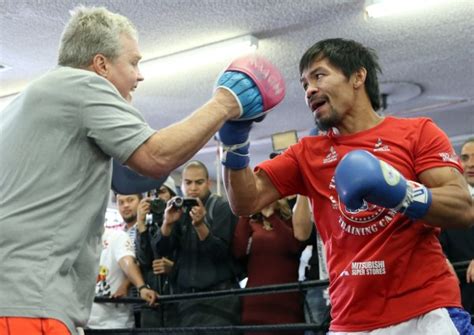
<point>349,56</point>
<point>197,164</point>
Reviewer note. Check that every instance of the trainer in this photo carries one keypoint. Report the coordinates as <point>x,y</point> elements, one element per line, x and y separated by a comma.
<point>57,140</point>
<point>380,188</point>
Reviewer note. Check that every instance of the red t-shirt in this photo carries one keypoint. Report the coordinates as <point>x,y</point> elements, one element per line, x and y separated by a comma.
<point>383,267</point>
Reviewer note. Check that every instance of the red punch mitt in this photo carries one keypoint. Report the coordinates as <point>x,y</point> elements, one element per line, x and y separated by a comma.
<point>256,83</point>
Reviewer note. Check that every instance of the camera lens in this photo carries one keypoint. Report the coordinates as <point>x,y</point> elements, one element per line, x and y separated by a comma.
<point>178,202</point>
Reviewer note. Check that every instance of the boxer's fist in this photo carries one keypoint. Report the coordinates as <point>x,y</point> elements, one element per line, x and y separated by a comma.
<point>360,176</point>
<point>256,84</point>
<point>234,137</point>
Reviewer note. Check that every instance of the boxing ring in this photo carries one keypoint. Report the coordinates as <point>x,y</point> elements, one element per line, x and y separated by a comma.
<point>302,286</point>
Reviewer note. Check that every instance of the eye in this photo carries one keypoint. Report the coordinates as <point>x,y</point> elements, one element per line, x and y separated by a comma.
<point>318,76</point>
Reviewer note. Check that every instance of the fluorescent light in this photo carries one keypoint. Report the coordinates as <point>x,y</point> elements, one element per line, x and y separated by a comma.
<point>379,8</point>
<point>199,56</point>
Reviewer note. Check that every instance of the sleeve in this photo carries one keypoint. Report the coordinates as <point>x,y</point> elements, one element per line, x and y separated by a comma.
<point>433,149</point>
<point>284,171</point>
<point>122,245</point>
<point>144,250</point>
<point>111,122</point>
<point>242,235</point>
<point>221,231</point>
<point>166,245</point>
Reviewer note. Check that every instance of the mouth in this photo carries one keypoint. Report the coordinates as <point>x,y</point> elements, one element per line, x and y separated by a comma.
<point>315,104</point>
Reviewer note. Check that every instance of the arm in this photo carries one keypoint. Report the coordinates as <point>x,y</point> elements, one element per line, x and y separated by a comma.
<point>164,151</point>
<point>442,199</point>
<point>131,270</point>
<point>451,202</point>
<point>301,219</point>
<point>249,192</point>
<point>242,234</point>
<point>248,87</point>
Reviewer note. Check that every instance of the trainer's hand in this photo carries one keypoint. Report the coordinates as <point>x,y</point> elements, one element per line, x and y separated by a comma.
<point>360,176</point>
<point>255,83</point>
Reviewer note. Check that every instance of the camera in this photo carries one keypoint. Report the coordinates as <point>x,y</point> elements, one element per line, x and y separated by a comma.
<point>180,202</point>
<point>157,210</point>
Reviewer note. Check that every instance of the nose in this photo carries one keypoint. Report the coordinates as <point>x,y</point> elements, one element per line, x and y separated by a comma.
<point>140,76</point>
<point>310,91</point>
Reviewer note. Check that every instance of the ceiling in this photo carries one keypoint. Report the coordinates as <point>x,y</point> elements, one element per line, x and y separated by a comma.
<point>427,57</point>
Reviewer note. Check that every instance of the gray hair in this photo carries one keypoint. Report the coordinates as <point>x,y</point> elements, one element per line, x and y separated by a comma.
<point>90,31</point>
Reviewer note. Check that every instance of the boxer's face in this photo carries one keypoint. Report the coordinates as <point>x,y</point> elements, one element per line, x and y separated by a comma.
<point>328,93</point>
<point>467,162</point>
<point>123,71</point>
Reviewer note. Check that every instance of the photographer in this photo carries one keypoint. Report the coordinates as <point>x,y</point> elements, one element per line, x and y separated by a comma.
<point>201,237</point>
<point>156,267</point>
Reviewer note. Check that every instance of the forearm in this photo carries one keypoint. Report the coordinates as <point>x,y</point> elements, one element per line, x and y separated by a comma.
<point>202,231</point>
<point>451,207</point>
<point>247,192</point>
<point>131,270</point>
<point>172,146</point>
<point>302,224</point>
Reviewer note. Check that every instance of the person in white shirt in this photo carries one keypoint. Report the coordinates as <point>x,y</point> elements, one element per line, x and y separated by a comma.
<point>117,264</point>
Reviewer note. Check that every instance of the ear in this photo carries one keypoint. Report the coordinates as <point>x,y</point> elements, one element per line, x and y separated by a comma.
<point>100,65</point>
<point>359,77</point>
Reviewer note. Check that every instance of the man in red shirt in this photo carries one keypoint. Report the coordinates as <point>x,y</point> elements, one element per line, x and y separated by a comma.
<point>380,188</point>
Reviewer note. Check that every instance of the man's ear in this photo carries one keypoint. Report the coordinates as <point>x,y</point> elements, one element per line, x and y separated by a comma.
<point>100,65</point>
<point>359,77</point>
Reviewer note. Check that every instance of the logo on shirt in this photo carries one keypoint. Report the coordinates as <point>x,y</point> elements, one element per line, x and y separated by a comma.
<point>449,157</point>
<point>370,268</point>
<point>379,146</point>
<point>331,156</point>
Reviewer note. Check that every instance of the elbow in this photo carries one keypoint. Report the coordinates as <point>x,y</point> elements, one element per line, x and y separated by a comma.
<point>302,235</point>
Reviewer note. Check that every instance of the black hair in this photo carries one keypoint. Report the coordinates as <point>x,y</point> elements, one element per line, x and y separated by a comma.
<point>349,56</point>
<point>197,164</point>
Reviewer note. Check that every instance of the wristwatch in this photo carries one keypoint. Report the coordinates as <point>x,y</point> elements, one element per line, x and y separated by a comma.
<point>142,287</point>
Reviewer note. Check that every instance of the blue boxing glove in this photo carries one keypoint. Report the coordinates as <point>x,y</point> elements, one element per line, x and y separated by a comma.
<point>360,176</point>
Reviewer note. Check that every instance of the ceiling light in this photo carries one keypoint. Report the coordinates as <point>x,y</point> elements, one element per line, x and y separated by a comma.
<point>379,8</point>
<point>199,56</point>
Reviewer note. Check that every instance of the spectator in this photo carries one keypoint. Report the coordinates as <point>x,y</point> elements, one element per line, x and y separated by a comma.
<point>117,264</point>
<point>155,267</point>
<point>201,237</point>
<point>458,244</point>
<point>128,206</point>
<point>267,243</point>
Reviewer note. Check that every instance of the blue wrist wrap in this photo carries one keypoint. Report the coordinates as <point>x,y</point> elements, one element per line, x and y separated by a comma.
<point>417,201</point>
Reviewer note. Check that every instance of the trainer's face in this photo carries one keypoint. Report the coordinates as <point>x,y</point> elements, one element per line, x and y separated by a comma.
<point>467,162</point>
<point>123,71</point>
<point>128,206</point>
<point>328,93</point>
<point>195,183</point>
